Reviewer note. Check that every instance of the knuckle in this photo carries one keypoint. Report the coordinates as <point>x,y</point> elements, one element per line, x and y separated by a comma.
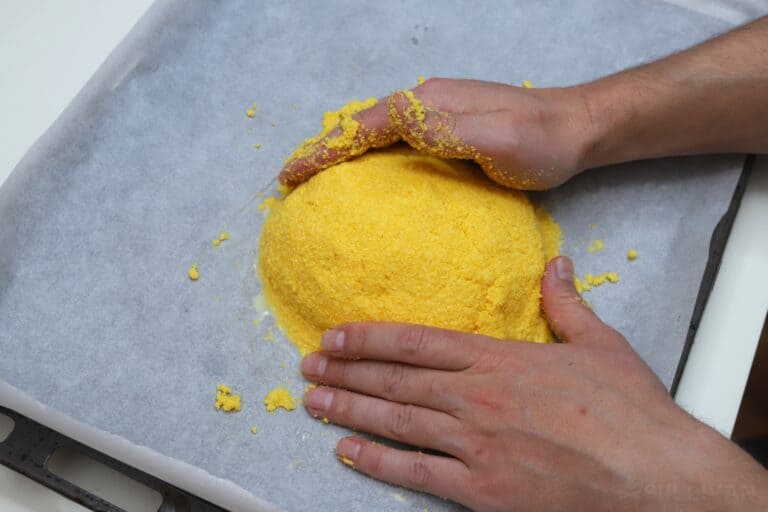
<point>393,380</point>
<point>401,423</point>
<point>419,473</point>
<point>356,336</point>
<point>413,340</point>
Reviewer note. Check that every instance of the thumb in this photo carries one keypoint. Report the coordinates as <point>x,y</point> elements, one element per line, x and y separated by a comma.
<point>569,317</point>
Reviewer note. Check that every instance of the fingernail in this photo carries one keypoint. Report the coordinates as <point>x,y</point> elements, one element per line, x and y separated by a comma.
<point>564,269</point>
<point>319,399</point>
<point>314,365</point>
<point>348,448</point>
<point>333,340</point>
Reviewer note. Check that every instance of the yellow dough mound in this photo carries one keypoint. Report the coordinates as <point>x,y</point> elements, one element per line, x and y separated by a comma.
<point>396,235</point>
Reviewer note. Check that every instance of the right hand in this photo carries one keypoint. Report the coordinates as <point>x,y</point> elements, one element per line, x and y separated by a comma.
<point>529,139</point>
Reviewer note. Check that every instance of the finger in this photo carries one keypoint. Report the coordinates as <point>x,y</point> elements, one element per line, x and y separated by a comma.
<point>373,131</point>
<point>417,345</point>
<point>397,382</point>
<point>569,318</point>
<point>468,96</point>
<point>410,424</point>
<point>442,476</point>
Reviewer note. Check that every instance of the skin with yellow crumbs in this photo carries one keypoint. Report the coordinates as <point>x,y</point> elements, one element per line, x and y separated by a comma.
<point>431,241</point>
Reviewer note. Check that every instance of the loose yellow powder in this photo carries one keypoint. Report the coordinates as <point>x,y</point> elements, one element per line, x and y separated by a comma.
<point>396,235</point>
<point>223,236</point>
<point>632,254</point>
<point>596,246</point>
<point>279,397</point>
<point>225,400</point>
<point>267,203</point>
<point>193,273</point>
<point>590,281</point>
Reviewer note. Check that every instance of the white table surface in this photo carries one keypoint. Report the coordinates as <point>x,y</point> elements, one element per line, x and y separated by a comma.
<point>49,49</point>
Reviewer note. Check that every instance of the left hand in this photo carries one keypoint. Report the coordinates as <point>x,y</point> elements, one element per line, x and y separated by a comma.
<point>581,425</point>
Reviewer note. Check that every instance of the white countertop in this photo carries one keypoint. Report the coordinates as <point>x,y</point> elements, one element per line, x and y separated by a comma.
<point>49,49</point>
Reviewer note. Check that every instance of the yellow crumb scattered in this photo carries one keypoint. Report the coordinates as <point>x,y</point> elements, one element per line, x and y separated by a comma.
<point>251,111</point>
<point>309,387</point>
<point>420,80</point>
<point>256,322</point>
<point>274,125</point>
<point>225,400</point>
<point>325,420</point>
<point>590,281</point>
<point>193,273</point>
<point>527,84</point>
<point>596,246</point>
<point>267,203</point>
<point>224,235</point>
<point>257,146</point>
<point>279,397</point>
<point>632,254</point>
<point>269,337</point>
<point>254,429</point>
<point>346,460</point>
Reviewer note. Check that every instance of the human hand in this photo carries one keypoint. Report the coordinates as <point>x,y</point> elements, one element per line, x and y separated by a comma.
<point>531,139</point>
<point>581,425</point>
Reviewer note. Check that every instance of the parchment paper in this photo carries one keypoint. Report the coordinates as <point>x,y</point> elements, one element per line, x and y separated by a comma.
<point>105,214</point>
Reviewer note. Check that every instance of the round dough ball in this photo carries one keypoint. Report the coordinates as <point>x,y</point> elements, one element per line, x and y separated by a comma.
<point>396,235</point>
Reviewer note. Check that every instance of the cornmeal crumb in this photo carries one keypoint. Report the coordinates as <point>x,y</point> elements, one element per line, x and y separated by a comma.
<point>420,80</point>
<point>254,429</point>
<point>216,242</point>
<point>224,235</point>
<point>596,246</point>
<point>325,420</point>
<point>251,111</point>
<point>279,397</point>
<point>193,273</point>
<point>632,254</point>
<point>346,460</point>
<point>527,84</point>
<point>225,400</point>
<point>257,146</point>
<point>269,337</point>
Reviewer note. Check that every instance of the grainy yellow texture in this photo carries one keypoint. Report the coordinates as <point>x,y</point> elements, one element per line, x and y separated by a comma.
<point>400,236</point>
<point>225,400</point>
<point>279,397</point>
